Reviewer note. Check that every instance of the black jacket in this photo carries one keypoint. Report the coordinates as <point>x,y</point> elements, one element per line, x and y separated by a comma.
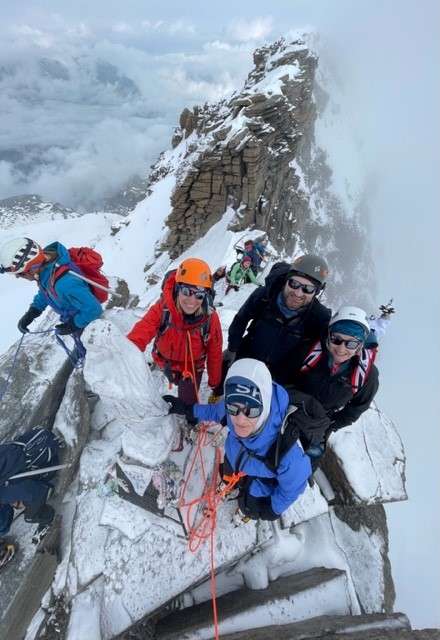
<point>333,391</point>
<point>271,337</point>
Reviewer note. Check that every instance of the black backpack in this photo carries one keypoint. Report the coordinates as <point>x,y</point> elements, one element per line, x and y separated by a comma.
<point>34,449</point>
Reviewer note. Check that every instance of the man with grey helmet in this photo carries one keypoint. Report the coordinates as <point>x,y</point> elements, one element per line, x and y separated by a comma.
<point>279,316</point>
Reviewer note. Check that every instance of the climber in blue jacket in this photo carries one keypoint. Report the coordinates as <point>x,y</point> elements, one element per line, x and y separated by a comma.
<point>68,295</point>
<point>255,409</point>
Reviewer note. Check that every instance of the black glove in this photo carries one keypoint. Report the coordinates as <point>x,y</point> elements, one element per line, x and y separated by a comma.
<point>387,310</point>
<point>310,416</point>
<point>28,317</point>
<point>67,328</point>
<point>229,357</point>
<point>181,408</point>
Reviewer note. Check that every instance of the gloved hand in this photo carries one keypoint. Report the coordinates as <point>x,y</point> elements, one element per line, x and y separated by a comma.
<point>28,317</point>
<point>214,397</point>
<point>387,310</point>
<point>310,416</point>
<point>67,328</point>
<point>180,408</point>
<point>229,357</point>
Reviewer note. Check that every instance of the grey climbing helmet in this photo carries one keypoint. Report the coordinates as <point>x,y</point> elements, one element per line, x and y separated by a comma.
<point>310,266</point>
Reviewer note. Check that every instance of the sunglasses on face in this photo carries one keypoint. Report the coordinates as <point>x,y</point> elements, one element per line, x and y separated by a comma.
<point>305,288</point>
<point>198,292</point>
<point>349,344</point>
<point>249,412</point>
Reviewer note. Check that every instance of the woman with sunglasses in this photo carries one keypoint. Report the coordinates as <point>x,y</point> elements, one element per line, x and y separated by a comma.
<point>338,370</point>
<point>254,408</point>
<point>185,328</point>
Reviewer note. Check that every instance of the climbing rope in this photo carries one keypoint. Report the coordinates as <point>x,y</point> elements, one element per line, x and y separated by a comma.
<point>190,374</point>
<point>208,503</point>
<point>77,354</point>
<point>11,369</point>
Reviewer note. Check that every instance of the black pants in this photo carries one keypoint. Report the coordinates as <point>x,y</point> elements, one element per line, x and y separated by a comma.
<point>39,512</point>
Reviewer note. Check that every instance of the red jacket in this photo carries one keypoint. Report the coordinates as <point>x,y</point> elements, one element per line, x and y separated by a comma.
<point>172,345</point>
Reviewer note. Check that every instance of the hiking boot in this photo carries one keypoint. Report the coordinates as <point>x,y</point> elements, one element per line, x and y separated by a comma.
<point>238,519</point>
<point>7,552</point>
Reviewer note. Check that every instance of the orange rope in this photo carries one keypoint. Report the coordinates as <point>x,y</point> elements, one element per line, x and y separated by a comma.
<point>185,372</point>
<point>212,496</point>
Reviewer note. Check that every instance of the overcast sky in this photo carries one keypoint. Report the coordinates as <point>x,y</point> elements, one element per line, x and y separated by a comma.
<point>77,129</point>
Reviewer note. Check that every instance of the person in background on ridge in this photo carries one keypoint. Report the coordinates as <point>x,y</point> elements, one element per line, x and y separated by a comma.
<point>219,273</point>
<point>240,273</point>
<point>282,313</point>
<point>185,328</point>
<point>255,408</point>
<point>256,252</point>
<point>68,295</point>
<point>338,370</point>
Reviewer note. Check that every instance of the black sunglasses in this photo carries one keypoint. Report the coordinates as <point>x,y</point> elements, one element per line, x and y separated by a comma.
<point>350,344</point>
<point>198,292</point>
<point>249,412</point>
<point>306,288</point>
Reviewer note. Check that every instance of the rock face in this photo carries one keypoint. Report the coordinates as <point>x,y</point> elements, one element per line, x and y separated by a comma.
<point>238,153</point>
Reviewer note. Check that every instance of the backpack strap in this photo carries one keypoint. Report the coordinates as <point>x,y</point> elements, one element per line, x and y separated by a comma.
<point>314,356</point>
<point>360,374</point>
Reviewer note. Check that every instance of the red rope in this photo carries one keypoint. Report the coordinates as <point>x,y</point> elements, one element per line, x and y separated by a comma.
<point>212,496</point>
<point>185,372</point>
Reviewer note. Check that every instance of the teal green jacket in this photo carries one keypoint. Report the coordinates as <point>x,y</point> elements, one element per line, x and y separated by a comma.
<point>238,275</point>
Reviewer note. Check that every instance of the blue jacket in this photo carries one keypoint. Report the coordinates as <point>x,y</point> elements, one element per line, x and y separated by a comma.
<point>26,490</point>
<point>73,298</point>
<point>256,254</point>
<point>294,468</point>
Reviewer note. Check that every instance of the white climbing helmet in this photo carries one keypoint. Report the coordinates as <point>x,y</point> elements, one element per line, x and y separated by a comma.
<point>351,314</point>
<point>19,255</point>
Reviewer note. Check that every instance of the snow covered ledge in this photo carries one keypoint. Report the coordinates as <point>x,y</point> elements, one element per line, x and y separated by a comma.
<point>365,463</point>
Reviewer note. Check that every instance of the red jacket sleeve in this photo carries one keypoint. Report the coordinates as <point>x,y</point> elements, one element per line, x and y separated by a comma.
<point>214,348</point>
<point>146,329</point>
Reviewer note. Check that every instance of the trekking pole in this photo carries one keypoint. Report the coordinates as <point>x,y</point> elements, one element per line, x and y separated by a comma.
<point>95,284</point>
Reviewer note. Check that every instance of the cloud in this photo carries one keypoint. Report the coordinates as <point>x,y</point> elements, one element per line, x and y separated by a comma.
<point>253,30</point>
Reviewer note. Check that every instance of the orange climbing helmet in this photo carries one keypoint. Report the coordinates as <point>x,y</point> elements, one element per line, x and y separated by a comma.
<point>195,272</point>
<point>20,255</point>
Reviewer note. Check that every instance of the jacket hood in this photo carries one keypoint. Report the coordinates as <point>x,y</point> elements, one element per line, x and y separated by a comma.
<point>63,254</point>
<point>256,373</point>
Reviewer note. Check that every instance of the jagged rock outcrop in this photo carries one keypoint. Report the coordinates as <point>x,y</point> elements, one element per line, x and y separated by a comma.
<point>238,153</point>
